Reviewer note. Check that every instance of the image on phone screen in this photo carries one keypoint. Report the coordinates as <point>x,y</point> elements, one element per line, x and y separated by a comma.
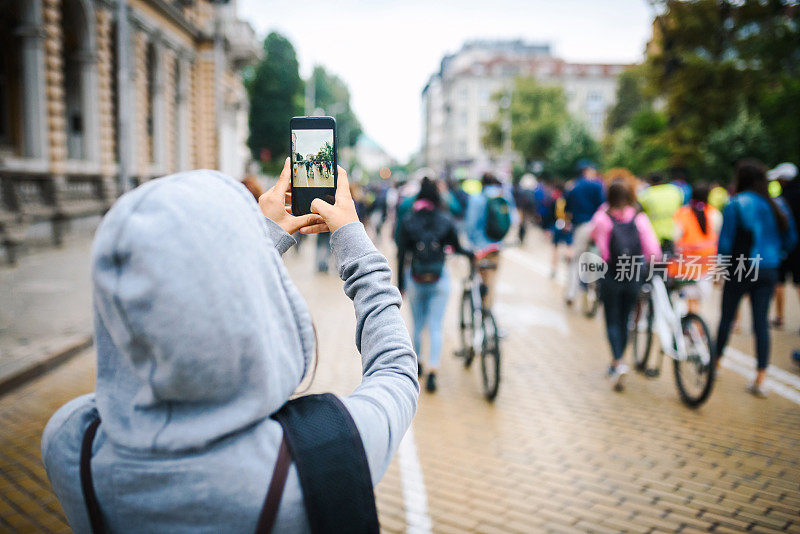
<point>313,161</point>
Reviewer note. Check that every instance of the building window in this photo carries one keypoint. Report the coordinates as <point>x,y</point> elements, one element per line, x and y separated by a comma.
<point>150,69</point>
<point>10,83</point>
<point>463,94</point>
<point>464,118</point>
<point>75,52</point>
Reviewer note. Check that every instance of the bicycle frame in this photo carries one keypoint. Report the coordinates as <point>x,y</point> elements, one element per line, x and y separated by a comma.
<point>473,283</point>
<point>667,323</point>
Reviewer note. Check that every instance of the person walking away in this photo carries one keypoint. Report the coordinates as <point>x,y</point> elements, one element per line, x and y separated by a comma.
<point>786,174</point>
<point>759,228</point>
<point>490,216</point>
<point>526,204</point>
<point>561,229</point>
<point>627,242</point>
<point>201,336</point>
<point>424,234</point>
<point>659,202</point>
<point>696,233</point>
<point>583,199</point>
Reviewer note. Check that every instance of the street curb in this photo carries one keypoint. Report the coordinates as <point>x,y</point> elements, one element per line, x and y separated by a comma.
<point>38,368</point>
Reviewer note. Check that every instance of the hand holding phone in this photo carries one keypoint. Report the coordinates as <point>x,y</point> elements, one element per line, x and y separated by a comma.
<point>336,215</point>
<point>273,205</point>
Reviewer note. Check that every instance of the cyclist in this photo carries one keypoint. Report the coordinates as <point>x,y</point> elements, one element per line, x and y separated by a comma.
<point>660,201</point>
<point>423,235</point>
<point>624,238</point>
<point>786,174</point>
<point>696,232</point>
<point>490,215</point>
<point>582,201</point>
<point>754,225</point>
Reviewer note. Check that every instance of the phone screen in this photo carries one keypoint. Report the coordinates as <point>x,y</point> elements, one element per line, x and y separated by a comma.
<point>313,152</point>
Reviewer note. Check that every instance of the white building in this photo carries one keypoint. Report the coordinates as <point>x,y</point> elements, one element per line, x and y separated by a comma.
<point>457,100</point>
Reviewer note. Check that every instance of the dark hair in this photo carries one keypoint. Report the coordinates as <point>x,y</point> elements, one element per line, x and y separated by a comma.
<point>620,194</point>
<point>655,178</point>
<point>489,179</point>
<point>751,175</point>
<point>698,203</point>
<point>428,190</point>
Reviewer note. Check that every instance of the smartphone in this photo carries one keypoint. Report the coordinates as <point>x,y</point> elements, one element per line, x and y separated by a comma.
<point>314,161</point>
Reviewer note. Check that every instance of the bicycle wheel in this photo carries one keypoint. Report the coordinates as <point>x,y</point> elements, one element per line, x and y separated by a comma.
<point>640,330</point>
<point>466,329</point>
<point>591,300</point>
<point>490,357</point>
<point>695,375</point>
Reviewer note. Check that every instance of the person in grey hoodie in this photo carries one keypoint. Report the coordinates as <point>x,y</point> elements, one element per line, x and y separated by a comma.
<point>200,336</point>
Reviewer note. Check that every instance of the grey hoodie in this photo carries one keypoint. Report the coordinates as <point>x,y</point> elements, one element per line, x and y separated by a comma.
<point>200,336</point>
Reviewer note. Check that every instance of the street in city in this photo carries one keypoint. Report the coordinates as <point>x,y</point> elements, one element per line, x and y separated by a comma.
<point>557,451</point>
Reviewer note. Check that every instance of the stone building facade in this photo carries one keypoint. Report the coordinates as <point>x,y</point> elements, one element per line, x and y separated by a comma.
<point>457,101</point>
<point>68,96</point>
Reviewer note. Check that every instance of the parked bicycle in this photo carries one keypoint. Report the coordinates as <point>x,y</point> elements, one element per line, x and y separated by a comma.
<point>683,337</point>
<point>478,329</point>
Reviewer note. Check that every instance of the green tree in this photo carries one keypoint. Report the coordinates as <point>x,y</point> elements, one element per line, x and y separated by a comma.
<point>536,114</point>
<point>276,95</point>
<point>332,95</point>
<point>708,57</point>
<point>573,143</point>
<point>630,99</point>
<point>639,145</point>
<point>744,136</point>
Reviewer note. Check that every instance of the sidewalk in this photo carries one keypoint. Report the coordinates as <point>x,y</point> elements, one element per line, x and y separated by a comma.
<point>46,307</point>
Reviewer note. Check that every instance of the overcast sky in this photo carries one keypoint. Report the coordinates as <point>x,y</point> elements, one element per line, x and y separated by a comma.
<point>385,50</point>
<point>311,141</point>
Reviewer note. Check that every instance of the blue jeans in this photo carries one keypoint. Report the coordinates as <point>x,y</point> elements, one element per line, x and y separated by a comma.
<point>619,299</point>
<point>428,304</point>
<point>760,292</point>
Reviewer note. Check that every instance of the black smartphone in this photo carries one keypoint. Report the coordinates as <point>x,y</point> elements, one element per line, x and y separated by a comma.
<point>313,152</point>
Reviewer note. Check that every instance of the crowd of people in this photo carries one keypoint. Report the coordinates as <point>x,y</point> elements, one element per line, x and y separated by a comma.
<point>697,232</point>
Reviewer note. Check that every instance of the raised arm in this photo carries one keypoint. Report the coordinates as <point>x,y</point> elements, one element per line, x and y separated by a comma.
<point>385,402</point>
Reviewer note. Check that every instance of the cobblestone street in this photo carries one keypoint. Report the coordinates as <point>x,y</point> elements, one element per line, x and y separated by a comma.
<point>557,451</point>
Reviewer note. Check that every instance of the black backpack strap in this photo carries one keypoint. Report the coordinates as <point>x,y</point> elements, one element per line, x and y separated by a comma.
<point>89,496</point>
<point>331,464</point>
<point>266,520</point>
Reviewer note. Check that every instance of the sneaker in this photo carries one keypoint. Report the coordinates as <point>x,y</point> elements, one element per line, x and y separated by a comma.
<point>777,323</point>
<point>757,391</point>
<point>430,385</point>
<point>617,376</point>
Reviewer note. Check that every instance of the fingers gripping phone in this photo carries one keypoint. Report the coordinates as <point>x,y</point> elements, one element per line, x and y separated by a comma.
<point>313,150</point>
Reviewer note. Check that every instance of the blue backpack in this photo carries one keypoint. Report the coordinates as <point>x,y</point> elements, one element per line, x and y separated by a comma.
<point>498,218</point>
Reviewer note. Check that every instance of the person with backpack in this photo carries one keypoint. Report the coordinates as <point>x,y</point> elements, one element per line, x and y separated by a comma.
<point>757,234</point>
<point>201,341</point>
<point>697,228</point>
<point>786,175</point>
<point>423,235</point>
<point>627,242</point>
<point>490,215</point>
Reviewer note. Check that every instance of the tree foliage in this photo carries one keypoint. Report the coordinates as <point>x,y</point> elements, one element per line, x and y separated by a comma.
<point>276,95</point>
<point>708,58</point>
<point>536,114</point>
<point>332,95</point>
<point>744,136</point>
<point>572,144</point>
<point>630,99</point>
<point>639,145</point>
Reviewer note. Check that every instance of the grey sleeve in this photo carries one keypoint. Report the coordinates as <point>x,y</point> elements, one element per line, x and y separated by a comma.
<point>386,401</point>
<point>283,240</point>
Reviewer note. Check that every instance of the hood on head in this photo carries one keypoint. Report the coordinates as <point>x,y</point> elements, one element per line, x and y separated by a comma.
<point>199,331</point>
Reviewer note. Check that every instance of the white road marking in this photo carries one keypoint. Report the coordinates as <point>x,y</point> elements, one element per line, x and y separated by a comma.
<point>527,315</point>
<point>415,498</point>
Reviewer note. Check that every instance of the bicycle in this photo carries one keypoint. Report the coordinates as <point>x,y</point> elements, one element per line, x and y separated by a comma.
<point>484,339</point>
<point>683,337</point>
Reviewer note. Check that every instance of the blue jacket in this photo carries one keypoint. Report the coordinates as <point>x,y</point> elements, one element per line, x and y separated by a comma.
<point>584,199</point>
<point>476,215</point>
<point>754,213</point>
